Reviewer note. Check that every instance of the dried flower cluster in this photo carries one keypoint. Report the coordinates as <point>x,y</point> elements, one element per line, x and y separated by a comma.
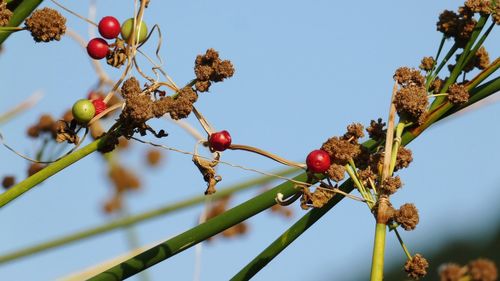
<point>46,25</point>
<point>411,99</point>
<point>5,13</point>
<point>476,270</point>
<point>416,267</point>
<point>210,68</point>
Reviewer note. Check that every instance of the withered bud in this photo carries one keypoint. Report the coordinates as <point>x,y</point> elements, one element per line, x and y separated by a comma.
<point>46,25</point>
<point>416,267</point>
<point>407,216</point>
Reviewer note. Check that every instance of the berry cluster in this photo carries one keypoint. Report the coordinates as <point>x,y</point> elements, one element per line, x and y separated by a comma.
<point>110,28</point>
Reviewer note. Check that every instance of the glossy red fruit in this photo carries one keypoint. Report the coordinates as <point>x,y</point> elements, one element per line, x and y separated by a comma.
<point>97,48</point>
<point>318,161</point>
<point>99,105</point>
<point>220,141</point>
<point>109,27</point>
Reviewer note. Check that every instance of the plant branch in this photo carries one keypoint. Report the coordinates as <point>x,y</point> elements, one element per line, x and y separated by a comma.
<point>142,217</point>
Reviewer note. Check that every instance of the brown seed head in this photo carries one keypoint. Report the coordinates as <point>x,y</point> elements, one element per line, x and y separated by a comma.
<point>340,150</point>
<point>403,159</point>
<point>484,7</point>
<point>320,197</point>
<point>458,94</point>
<point>407,216</point>
<point>481,60</point>
<point>391,185</point>
<point>163,106</point>
<point>123,179</point>
<point>8,181</point>
<point>35,168</point>
<point>409,77</point>
<point>427,63</point>
<point>5,14</point>
<point>33,131</point>
<point>210,68</point>
<point>46,25</point>
<point>483,270</point>
<point>153,157</point>
<point>336,172</point>
<point>138,109</point>
<point>202,86</point>
<point>376,130</point>
<point>130,87</point>
<point>416,267</point>
<point>183,104</point>
<point>366,175</point>
<point>411,102</point>
<point>354,131</point>
<point>450,272</point>
<point>436,85</point>
<point>114,204</point>
<point>447,23</point>
<point>45,123</point>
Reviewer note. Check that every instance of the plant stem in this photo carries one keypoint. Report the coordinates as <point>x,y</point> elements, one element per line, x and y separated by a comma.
<point>199,233</point>
<point>133,219</point>
<point>22,11</point>
<point>290,235</point>
<point>395,148</point>
<point>450,53</point>
<point>405,249</point>
<point>377,272</point>
<point>27,184</point>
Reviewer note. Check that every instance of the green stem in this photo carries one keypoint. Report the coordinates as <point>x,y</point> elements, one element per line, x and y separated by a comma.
<point>428,79</point>
<point>450,53</point>
<point>377,273</point>
<point>405,249</point>
<point>290,235</point>
<point>395,147</point>
<point>133,240</point>
<point>133,219</point>
<point>199,233</point>
<point>362,191</point>
<point>27,184</point>
<point>22,11</point>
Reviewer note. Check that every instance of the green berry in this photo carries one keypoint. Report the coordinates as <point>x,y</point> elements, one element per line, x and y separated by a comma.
<point>83,111</point>
<point>127,27</point>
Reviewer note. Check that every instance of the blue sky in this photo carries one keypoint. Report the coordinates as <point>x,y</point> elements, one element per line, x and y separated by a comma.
<point>304,70</point>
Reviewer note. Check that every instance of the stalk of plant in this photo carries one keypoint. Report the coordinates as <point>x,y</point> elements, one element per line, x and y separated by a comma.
<point>139,218</point>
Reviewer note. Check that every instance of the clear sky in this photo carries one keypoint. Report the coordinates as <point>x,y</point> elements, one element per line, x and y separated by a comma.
<point>304,70</point>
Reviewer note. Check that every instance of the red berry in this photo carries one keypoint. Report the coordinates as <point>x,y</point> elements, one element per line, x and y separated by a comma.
<point>97,48</point>
<point>318,161</point>
<point>99,105</point>
<point>109,27</point>
<point>220,141</point>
